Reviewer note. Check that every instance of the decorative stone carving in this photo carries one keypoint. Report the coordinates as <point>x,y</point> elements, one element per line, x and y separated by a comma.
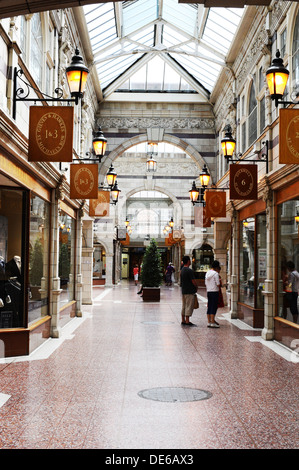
<point>59,192</point>
<point>166,123</point>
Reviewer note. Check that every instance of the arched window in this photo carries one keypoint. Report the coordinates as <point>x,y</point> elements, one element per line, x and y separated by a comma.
<point>36,52</point>
<point>252,115</point>
<point>295,55</point>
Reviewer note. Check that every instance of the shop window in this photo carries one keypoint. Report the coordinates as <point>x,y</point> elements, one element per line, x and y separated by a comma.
<point>202,259</point>
<point>12,256</point>
<point>288,259</point>
<point>66,257</point>
<point>253,257</point>
<point>38,303</point>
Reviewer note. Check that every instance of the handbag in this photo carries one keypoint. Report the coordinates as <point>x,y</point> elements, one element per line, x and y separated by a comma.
<point>220,299</point>
<point>196,304</point>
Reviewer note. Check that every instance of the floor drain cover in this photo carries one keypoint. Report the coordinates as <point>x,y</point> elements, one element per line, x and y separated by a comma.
<point>158,322</point>
<point>175,394</point>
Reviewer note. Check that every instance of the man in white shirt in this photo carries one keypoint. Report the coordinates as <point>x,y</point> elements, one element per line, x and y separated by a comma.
<point>212,281</point>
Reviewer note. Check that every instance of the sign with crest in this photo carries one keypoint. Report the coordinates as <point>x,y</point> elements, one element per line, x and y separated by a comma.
<point>215,203</point>
<point>243,181</point>
<point>100,207</point>
<point>84,181</point>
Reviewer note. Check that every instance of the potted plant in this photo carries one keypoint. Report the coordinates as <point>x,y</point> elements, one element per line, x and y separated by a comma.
<point>151,273</point>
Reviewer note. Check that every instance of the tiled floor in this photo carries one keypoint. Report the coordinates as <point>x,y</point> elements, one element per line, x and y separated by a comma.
<point>82,391</point>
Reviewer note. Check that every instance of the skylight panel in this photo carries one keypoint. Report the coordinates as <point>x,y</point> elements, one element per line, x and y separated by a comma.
<point>183,16</point>
<point>139,14</point>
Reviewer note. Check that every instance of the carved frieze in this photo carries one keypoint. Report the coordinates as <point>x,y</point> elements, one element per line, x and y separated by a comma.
<point>151,122</point>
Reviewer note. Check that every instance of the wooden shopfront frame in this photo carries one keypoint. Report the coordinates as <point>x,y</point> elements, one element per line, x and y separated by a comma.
<point>23,340</point>
<point>251,314</point>
<point>285,331</point>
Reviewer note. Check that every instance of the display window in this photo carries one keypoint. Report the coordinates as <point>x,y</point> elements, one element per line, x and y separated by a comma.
<point>288,259</point>
<point>38,301</point>
<point>66,257</point>
<point>202,259</point>
<point>253,260</point>
<point>13,203</point>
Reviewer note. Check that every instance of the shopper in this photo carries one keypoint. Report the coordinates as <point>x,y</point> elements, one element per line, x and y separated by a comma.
<point>189,289</point>
<point>136,272</point>
<point>293,287</point>
<point>212,281</point>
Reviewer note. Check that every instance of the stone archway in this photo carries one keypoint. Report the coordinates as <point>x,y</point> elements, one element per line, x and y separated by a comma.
<point>167,138</point>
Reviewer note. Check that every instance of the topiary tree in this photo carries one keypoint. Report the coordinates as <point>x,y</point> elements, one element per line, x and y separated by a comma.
<point>151,272</point>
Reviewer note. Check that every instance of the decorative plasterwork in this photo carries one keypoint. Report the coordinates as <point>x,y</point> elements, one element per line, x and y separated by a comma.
<point>165,123</point>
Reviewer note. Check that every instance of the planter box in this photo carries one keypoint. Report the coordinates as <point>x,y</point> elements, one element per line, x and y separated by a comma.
<point>151,294</point>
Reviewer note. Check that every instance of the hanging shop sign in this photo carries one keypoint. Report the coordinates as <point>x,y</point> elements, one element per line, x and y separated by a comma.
<point>200,217</point>
<point>289,136</point>
<point>126,241</point>
<point>84,181</point>
<point>121,233</point>
<point>100,207</point>
<point>51,133</point>
<point>215,203</point>
<point>243,181</point>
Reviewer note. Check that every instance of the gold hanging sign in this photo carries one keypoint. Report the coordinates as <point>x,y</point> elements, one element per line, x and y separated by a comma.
<point>84,181</point>
<point>100,207</point>
<point>215,203</point>
<point>289,136</point>
<point>51,133</point>
<point>200,217</point>
<point>243,181</point>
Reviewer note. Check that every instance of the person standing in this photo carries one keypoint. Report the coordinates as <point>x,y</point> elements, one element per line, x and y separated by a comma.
<point>136,272</point>
<point>212,281</point>
<point>293,287</point>
<point>189,289</point>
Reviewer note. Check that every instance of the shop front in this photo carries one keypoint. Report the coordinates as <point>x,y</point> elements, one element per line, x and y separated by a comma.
<point>252,264</point>
<point>287,277</point>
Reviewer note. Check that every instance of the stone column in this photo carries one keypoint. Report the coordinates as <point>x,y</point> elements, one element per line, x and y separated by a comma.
<point>78,263</point>
<point>54,280</point>
<point>87,261</point>
<point>235,265</point>
<point>269,298</point>
<point>109,270</point>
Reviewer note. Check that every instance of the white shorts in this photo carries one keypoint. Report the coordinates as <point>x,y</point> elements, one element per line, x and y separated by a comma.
<point>136,277</point>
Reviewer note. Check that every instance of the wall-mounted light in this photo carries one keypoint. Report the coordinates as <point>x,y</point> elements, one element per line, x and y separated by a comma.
<point>115,193</point>
<point>204,177</point>
<point>111,177</point>
<point>76,74</point>
<point>171,222</point>
<point>151,164</point>
<point>228,143</point>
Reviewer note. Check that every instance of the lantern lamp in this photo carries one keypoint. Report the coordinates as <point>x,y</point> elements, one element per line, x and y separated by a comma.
<point>151,164</point>
<point>193,193</point>
<point>228,143</point>
<point>115,193</point>
<point>111,177</point>
<point>99,143</point>
<point>204,177</point>
<point>277,77</point>
<point>76,74</point>
<point>171,222</point>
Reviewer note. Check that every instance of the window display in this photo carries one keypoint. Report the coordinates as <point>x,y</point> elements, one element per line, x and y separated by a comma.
<point>66,257</point>
<point>38,301</point>
<point>288,259</point>
<point>12,231</point>
<point>253,260</point>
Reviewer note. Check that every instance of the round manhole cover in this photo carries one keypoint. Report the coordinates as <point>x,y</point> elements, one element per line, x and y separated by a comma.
<point>175,394</point>
<point>158,322</point>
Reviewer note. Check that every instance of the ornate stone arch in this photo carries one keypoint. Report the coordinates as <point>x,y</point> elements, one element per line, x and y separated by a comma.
<point>168,138</point>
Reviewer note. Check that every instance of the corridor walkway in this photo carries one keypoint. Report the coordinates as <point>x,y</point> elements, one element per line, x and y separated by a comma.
<point>127,375</point>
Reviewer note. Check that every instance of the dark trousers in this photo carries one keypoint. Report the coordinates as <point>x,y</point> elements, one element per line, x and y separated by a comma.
<point>292,299</point>
<point>212,302</point>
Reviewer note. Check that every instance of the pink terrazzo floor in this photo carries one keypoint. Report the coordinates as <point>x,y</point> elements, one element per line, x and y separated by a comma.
<point>84,393</point>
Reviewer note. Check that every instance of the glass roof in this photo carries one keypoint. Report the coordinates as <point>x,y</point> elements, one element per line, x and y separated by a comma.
<point>159,45</point>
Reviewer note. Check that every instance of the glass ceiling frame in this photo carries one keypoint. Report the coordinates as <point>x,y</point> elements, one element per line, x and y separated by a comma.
<point>192,39</point>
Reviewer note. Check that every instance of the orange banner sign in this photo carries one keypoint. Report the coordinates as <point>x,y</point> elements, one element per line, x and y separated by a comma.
<point>51,134</point>
<point>215,203</point>
<point>200,217</point>
<point>243,181</point>
<point>84,181</point>
<point>100,207</point>
<point>289,136</point>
